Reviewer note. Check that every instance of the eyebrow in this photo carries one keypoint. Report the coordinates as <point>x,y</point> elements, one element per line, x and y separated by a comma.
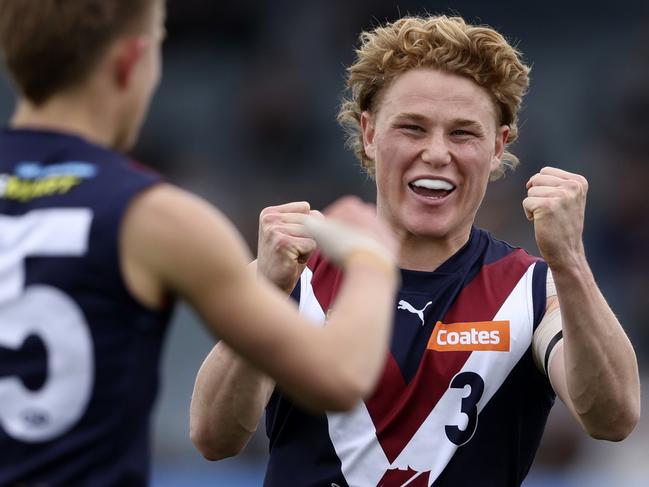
<point>417,117</point>
<point>465,121</point>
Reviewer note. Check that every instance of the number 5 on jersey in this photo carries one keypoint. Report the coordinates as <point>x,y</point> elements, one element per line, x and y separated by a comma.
<point>46,315</point>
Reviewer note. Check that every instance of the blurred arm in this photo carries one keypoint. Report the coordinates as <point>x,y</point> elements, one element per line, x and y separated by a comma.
<point>183,243</point>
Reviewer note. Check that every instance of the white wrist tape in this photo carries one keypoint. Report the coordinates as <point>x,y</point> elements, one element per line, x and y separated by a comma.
<point>338,241</point>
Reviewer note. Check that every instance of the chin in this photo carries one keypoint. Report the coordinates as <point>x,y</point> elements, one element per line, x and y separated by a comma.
<point>434,227</point>
<point>428,228</point>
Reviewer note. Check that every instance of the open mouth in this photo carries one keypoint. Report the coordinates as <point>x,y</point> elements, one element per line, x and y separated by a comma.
<point>432,188</point>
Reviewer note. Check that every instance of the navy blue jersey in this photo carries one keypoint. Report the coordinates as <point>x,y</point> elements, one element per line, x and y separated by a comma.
<point>460,402</point>
<point>78,354</point>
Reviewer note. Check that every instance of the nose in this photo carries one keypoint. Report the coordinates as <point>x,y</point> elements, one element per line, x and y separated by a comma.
<point>435,150</point>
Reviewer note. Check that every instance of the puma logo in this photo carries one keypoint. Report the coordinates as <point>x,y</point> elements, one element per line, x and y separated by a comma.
<point>419,312</point>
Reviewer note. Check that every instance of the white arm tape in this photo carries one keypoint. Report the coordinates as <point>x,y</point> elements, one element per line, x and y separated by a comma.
<point>548,333</point>
<point>338,240</point>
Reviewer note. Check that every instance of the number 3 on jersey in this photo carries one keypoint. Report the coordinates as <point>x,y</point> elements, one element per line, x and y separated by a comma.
<point>468,406</point>
<point>51,316</point>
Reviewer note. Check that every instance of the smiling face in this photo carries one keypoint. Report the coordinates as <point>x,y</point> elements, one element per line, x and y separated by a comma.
<point>434,140</point>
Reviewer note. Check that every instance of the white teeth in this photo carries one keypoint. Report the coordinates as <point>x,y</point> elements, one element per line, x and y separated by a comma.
<point>433,184</point>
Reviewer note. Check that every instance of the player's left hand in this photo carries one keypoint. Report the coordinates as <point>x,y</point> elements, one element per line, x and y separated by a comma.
<point>556,203</point>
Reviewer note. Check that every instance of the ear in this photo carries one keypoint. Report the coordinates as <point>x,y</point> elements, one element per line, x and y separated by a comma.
<point>129,52</point>
<point>367,128</point>
<point>501,142</point>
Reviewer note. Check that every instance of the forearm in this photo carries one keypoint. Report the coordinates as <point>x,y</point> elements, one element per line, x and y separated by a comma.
<point>364,342</point>
<point>228,400</point>
<point>600,364</point>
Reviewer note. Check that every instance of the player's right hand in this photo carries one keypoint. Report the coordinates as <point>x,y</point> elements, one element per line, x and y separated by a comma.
<point>284,247</point>
<point>351,226</point>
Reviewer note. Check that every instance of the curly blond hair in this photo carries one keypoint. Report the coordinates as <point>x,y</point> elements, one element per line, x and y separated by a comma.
<point>447,43</point>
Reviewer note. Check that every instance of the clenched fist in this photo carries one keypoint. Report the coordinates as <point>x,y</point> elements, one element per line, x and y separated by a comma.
<point>556,202</point>
<point>284,246</point>
<point>288,234</point>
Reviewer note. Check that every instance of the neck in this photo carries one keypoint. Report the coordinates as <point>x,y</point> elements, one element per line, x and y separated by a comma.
<point>74,114</point>
<point>427,253</point>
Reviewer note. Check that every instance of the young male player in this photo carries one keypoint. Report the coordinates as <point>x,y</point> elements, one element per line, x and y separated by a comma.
<point>484,337</point>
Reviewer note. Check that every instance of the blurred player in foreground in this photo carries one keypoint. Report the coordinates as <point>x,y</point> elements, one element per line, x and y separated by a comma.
<point>93,251</point>
<point>484,336</point>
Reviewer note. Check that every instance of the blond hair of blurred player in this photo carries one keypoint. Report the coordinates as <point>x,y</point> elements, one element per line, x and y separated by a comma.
<point>94,250</point>
<point>484,338</point>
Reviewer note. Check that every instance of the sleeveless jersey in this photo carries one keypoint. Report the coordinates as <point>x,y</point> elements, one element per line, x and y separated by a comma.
<point>460,401</point>
<point>78,354</point>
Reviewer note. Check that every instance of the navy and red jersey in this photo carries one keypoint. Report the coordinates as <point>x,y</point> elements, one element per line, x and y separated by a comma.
<point>78,354</point>
<point>460,401</point>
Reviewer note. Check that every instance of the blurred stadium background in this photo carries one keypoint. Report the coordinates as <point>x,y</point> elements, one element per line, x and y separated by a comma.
<point>245,116</point>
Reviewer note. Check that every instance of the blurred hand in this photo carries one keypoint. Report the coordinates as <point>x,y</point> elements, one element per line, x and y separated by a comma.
<point>556,203</point>
<point>352,225</point>
<point>284,247</point>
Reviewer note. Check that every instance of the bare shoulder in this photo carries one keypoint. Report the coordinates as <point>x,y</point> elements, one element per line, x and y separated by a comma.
<point>171,239</point>
<point>164,205</point>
